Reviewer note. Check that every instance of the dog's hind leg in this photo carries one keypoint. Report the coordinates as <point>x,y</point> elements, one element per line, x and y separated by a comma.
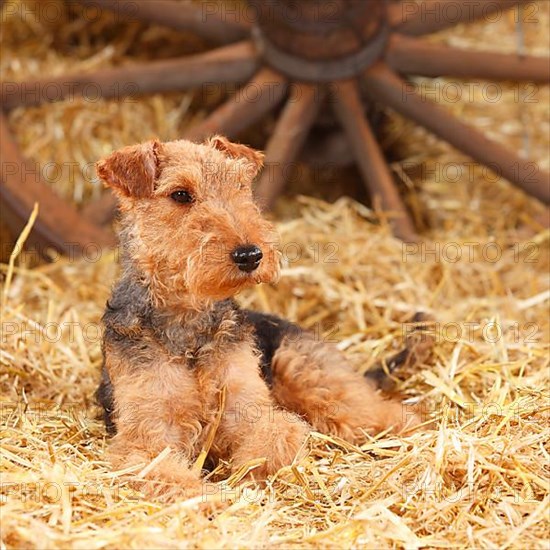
<point>419,342</point>
<point>315,380</point>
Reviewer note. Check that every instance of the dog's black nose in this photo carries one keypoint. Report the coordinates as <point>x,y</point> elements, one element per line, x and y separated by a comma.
<point>247,258</point>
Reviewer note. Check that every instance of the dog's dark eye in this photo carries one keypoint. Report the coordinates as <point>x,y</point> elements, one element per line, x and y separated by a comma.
<point>181,196</point>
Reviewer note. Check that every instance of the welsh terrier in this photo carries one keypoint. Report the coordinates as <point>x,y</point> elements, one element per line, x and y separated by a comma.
<point>192,237</point>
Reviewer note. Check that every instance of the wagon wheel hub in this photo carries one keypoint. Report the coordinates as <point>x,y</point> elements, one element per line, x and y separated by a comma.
<point>320,41</point>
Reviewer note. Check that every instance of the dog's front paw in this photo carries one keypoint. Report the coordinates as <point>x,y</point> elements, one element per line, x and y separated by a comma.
<point>170,490</point>
<point>280,442</point>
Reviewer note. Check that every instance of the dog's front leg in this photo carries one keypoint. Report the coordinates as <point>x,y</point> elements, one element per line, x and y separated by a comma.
<point>156,413</point>
<point>253,426</point>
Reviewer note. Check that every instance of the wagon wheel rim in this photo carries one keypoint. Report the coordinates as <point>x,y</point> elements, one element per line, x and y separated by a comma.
<point>250,55</point>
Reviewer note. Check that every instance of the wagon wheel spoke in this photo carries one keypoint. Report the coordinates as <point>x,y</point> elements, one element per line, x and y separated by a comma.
<point>59,225</point>
<point>418,57</point>
<point>234,63</point>
<point>410,17</point>
<point>386,87</point>
<point>247,106</point>
<point>210,21</point>
<point>369,157</point>
<point>287,140</point>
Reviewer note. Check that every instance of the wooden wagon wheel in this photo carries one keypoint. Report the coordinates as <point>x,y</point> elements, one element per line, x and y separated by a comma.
<point>309,55</point>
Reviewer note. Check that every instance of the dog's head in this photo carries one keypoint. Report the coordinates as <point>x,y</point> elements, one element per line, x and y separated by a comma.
<point>189,219</point>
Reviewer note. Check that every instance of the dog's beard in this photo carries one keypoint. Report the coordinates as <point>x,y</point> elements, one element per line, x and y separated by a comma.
<point>182,279</point>
<point>216,277</point>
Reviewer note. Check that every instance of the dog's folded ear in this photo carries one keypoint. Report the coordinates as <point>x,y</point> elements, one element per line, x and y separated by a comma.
<point>255,159</point>
<point>133,170</point>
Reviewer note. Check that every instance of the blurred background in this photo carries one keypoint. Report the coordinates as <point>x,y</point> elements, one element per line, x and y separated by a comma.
<point>439,187</point>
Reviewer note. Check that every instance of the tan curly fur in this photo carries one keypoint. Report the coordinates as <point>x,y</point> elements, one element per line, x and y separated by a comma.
<point>174,339</point>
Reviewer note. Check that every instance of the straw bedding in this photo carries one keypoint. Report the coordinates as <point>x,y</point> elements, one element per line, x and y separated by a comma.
<point>478,477</point>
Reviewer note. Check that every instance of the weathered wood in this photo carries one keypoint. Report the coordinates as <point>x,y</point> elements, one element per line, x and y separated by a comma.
<point>370,159</point>
<point>417,18</point>
<point>418,57</point>
<point>247,106</point>
<point>317,30</point>
<point>59,225</point>
<point>386,87</point>
<point>210,20</point>
<point>287,140</point>
<point>235,64</point>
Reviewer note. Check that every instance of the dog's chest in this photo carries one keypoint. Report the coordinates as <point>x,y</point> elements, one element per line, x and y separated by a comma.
<point>200,336</point>
<point>195,336</point>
